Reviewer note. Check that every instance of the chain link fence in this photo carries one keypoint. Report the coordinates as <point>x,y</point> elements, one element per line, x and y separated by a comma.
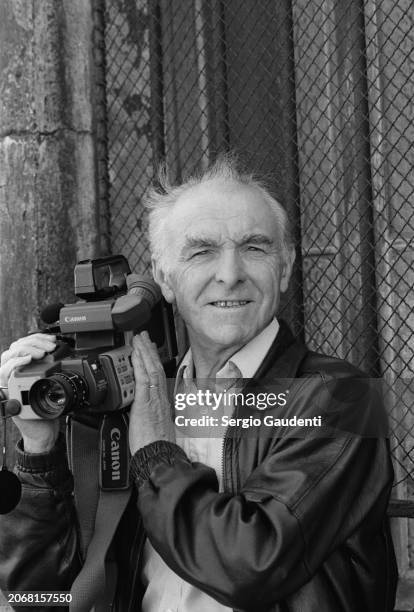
<point>317,97</point>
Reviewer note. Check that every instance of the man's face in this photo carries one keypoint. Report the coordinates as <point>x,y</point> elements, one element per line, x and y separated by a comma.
<point>226,273</point>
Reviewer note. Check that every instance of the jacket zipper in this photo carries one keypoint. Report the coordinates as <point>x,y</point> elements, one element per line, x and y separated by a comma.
<point>223,457</point>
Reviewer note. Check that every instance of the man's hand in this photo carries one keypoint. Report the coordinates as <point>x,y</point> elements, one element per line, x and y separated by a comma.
<point>150,416</point>
<point>39,436</point>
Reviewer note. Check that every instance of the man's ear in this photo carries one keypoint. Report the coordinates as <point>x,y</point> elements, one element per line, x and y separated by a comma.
<point>163,281</point>
<point>286,269</point>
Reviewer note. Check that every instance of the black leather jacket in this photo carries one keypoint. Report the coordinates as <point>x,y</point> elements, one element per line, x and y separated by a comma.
<point>300,527</point>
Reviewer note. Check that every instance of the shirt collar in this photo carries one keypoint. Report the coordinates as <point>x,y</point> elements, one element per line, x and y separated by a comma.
<point>244,363</point>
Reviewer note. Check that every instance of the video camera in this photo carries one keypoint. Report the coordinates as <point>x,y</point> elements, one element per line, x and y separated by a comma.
<point>91,370</point>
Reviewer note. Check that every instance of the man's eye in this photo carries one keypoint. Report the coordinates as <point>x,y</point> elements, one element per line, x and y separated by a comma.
<point>255,249</point>
<point>200,253</point>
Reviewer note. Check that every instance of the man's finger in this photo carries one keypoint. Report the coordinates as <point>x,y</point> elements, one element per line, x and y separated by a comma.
<point>23,351</point>
<point>140,374</point>
<point>37,340</point>
<point>149,364</point>
<point>148,348</point>
<point>152,364</point>
<point>139,365</point>
<point>36,346</point>
<point>152,349</point>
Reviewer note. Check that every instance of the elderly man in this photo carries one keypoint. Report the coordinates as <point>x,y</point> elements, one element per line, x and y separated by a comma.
<point>262,518</point>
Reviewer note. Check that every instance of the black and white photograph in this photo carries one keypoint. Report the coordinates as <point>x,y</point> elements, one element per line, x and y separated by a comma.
<point>207,305</point>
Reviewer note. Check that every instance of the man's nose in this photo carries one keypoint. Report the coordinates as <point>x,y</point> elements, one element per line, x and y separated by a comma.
<point>230,268</point>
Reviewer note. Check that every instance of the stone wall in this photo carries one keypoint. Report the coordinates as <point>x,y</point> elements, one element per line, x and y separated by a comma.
<point>49,216</point>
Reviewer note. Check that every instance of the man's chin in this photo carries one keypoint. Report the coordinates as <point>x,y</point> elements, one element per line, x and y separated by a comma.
<point>226,338</point>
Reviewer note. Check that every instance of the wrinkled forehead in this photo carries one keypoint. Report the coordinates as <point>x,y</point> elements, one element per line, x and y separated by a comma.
<point>222,209</point>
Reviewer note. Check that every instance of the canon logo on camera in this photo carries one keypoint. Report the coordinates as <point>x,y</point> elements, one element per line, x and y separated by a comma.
<point>115,456</point>
<point>75,319</point>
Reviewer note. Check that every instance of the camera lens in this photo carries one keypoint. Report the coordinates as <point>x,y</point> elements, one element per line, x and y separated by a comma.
<point>59,394</point>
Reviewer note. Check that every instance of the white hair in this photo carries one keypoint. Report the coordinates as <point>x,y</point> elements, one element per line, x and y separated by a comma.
<point>162,198</point>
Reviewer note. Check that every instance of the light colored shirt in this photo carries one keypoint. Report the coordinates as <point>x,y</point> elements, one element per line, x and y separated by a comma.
<point>165,591</point>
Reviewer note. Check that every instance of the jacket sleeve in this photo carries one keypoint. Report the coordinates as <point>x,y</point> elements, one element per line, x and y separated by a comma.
<point>256,547</point>
<point>38,539</point>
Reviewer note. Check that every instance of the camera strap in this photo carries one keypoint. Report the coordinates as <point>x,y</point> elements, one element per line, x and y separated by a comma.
<point>99,512</point>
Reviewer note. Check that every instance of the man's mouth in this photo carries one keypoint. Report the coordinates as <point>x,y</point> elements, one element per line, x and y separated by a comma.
<point>230,303</point>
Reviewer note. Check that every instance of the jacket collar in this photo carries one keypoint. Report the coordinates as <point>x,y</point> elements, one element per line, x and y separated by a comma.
<point>284,357</point>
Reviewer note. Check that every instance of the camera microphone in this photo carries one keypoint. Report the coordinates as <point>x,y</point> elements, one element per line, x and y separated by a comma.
<point>10,486</point>
<point>50,313</point>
